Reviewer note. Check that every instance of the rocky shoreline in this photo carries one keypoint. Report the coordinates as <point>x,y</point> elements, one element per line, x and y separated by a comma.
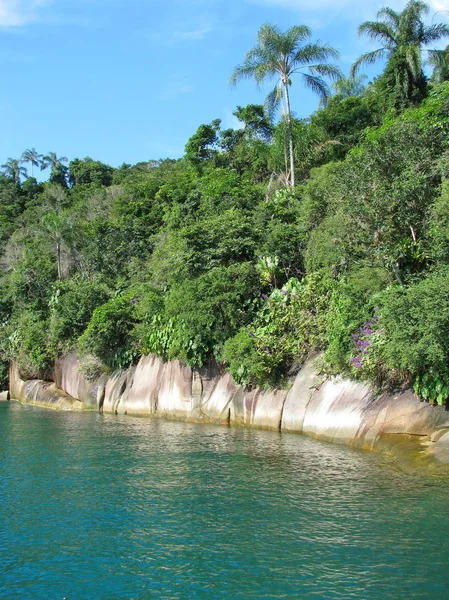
<point>333,409</point>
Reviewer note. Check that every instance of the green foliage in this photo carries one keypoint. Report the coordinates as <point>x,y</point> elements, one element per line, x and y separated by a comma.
<point>414,321</point>
<point>439,226</point>
<point>72,304</point>
<point>108,335</point>
<point>344,121</point>
<point>216,257</point>
<point>352,304</point>
<point>201,146</point>
<point>31,339</point>
<point>209,309</point>
<point>433,387</point>
<point>290,323</point>
<point>89,171</point>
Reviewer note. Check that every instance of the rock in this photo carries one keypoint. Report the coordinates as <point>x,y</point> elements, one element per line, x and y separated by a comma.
<point>256,408</point>
<point>335,409</point>
<point>4,396</point>
<point>305,384</point>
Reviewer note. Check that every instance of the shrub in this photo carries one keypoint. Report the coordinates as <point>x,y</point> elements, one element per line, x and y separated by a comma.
<point>351,305</point>
<point>72,305</point>
<point>409,341</point>
<point>108,335</point>
<point>289,324</point>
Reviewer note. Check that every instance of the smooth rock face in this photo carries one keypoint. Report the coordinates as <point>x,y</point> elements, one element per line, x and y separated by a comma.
<point>216,405</point>
<point>4,396</point>
<point>335,409</point>
<point>440,449</point>
<point>69,379</point>
<point>256,408</point>
<point>305,384</point>
<point>40,393</point>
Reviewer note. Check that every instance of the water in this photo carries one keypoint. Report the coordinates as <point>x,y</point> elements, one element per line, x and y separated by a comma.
<point>103,508</point>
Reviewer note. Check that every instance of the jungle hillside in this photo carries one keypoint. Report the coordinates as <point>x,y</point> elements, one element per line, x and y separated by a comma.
<point>263,243</point>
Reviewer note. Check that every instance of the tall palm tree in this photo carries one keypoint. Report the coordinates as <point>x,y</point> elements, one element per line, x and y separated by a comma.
<point>403,36</point>
<point>33,157</point>
<point>281,55</point>
<point>12,168</point>
<point>52,161</point>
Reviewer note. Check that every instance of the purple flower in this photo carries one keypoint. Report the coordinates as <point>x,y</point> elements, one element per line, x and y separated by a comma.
<point>264,297</point>
<point>284,291</point>
<point>357,362</point>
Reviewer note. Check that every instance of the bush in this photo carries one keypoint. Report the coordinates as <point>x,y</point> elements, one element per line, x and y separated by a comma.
<point>415,323</point>
<point>408,341</point>
<point>352,304</point>
<point>206,311</point>
<point>72,305</point>
<point>108,335</point>
<point>290,323</point>
<point>33,352</point>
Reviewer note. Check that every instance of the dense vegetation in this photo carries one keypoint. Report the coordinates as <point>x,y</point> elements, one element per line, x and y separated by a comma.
<point>218,257</point>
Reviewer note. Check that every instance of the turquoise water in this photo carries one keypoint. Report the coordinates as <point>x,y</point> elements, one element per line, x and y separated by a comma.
<point>102,507</point>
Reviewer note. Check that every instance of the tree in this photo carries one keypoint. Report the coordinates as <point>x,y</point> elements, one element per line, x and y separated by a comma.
<point>201,146</point>
<point>403,36</point>
<point>89,171</point>
<point>439,60</point>
<point>33,157</point>
<point>281,55</point>
<point>255,121</point>
<point>346,87</point>
<point>13,169</point>
<point>58,171</point>
<point>54,220</point>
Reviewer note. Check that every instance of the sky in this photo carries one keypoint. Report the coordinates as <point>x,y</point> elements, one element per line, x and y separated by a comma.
<point>131,80</point>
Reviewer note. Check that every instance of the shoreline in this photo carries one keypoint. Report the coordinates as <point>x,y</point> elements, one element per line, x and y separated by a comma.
<point>332,409</point>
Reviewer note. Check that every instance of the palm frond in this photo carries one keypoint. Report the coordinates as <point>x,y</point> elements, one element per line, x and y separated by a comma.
<point>316,84</point>
<point>368,58</point>
<point>273,100</point>
<point>324,70</point>
<point>379,32</point>
<point>434,33</point>
<point>313,52</point>
<point>389,16</point>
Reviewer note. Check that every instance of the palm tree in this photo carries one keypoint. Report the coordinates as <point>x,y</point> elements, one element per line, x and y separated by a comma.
<point>58,171</point>
<point>33,157</point>
<point>439,60</point>
<point>52,161</point>
<point>12,168</point>
<point>281,55</point>
<point>346,87</point>
<point>403,36</point>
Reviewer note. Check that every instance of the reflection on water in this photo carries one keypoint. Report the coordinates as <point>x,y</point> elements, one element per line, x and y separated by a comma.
<point>103,507</point>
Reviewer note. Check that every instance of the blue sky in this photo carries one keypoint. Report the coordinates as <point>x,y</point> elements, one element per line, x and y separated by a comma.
<point>131,80</point>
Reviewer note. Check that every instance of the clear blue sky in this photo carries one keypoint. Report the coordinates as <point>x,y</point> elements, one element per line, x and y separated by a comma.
<point>130,80</point>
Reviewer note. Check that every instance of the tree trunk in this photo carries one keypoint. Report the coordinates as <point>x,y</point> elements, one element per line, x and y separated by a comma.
<point>286,161</point>
<point>290,134</point>
<point>58,256</point>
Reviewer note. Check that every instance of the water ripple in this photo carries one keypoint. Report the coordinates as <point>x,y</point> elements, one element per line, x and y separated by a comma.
<point>101,507</point>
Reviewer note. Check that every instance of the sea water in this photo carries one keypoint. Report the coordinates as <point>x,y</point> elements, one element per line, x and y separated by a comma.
<point>110,507</point>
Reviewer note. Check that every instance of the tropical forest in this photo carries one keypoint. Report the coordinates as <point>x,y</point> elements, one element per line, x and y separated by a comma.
<point>264,243</point>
